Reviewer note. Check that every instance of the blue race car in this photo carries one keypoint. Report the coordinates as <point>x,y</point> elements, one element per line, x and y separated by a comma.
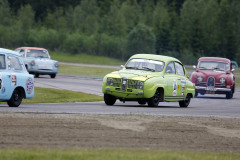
<point>15,82</point>
<point>38,61</point>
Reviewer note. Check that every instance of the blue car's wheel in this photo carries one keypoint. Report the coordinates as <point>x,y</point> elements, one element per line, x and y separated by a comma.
<point>16,98</point>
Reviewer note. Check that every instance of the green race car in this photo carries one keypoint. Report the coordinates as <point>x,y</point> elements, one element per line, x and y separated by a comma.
<point>148,78</point>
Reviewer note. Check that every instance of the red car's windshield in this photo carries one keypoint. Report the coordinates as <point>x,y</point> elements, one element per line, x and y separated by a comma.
<point>223,66</point>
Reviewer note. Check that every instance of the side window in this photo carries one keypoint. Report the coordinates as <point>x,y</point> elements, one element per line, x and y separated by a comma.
<point>21,52</point>
<point>2,61</point>
<point>179,68</point>
<point>170,68</point>
<point>14,63</point>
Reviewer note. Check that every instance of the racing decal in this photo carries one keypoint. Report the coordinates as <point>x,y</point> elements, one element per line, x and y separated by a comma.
<point>183,90</point>
<point>178,87</point>
<point>29,85</point>
<point>183,81</point>
<point>174,88</point>
<point>0,81</point>
<point>14,79</point>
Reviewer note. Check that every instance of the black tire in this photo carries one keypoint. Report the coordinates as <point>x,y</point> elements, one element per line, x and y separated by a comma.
<point>154,101</point>
<point>52,75</point>
<point>36,75</point>
<point>185,102</point>
<point>109,99</point>
<point>229,95</point>
<point>16,98</point>
<point>142,101</point>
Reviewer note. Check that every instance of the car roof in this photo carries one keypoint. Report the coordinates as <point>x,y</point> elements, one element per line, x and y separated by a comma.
<point>165,59</point>
<point>214,59</point>
<point>8,51</point>
<point>36,48</point>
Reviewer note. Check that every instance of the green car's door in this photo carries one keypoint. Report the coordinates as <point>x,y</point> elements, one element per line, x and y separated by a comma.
<point>173,89</point>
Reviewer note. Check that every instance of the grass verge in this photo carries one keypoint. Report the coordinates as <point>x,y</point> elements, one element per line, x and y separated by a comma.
<point>84,58</point>
<point>109,154</point>
<point>48,95</point>
<point>84,71</point>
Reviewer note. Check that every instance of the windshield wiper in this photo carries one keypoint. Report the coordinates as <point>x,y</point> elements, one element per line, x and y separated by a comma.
<point>218,69</point>
<point>148,69</point>
<point>131,68</point>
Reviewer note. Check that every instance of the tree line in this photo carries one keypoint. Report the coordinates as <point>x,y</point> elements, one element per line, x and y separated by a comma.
<point>185,29</point>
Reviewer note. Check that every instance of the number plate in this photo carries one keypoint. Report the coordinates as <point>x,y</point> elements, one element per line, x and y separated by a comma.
<point>210,92</point>
<point>210,89</point>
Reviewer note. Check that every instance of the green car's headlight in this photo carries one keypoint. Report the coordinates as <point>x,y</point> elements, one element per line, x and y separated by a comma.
<point>139,85</point>
<point>110,82</point>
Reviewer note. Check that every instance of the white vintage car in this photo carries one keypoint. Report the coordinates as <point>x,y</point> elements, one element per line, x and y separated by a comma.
<point>15,82</point>
<point>38,62</point>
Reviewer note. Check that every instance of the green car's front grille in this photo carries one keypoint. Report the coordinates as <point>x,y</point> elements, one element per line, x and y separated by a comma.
<point>116,82</point>
<point>131,84</point>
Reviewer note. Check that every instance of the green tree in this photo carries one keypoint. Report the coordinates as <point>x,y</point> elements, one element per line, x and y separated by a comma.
<point>140,40</point>
<point>162,28</point>
<point>85,17</point>
<point>56,20</point>
<point>131,13</point>
<point>5,13</point>
<point>190,32</point>
<point>113,23</point>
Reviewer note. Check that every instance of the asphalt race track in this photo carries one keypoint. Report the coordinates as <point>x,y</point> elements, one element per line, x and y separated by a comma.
<point>204,106</point>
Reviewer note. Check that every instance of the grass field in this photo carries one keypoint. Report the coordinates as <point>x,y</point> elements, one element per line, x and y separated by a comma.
<point>47,95</point>
<point>84,71</point>
<point>84,58</point>
<point>109,154</point>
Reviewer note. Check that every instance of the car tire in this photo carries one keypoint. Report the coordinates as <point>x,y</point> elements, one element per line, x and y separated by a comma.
<point>142,101</point>
<point>154,101</point>
<point>36,75</point>
<point>185,102</point>
<point>52,75</point>
<point>229,95</point>
<point>16,98</point>
<point>109,99</point>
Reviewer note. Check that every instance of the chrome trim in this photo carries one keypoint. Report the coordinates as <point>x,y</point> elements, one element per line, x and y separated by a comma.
<point>214,89</point>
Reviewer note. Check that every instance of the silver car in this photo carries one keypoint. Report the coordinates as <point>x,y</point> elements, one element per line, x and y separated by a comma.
<point>38,61</point>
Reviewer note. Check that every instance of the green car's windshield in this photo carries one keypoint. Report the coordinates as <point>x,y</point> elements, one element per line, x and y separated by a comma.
<point>37,53</point>
<point>145,64</point>
<point>214,65</point>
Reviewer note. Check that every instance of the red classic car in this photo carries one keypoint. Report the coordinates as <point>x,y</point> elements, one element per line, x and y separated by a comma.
<point>213,75</point>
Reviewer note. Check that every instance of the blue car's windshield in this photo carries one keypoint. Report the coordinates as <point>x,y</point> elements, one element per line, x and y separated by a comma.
<point>145,64</point>
<point>37,53</point>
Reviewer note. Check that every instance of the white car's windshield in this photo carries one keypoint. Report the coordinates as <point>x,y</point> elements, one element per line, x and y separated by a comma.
<point>214,65</point>
<point>145,64</point>
<point>37,53</point>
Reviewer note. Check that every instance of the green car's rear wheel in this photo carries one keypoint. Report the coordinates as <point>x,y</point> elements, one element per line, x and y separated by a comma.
<point>154,101</point>
<point>109,99</point>
<point>185,102</point>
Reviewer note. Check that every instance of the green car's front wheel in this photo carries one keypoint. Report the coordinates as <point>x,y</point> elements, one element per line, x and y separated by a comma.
<point>109,99</point>
<point>154,101</point>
